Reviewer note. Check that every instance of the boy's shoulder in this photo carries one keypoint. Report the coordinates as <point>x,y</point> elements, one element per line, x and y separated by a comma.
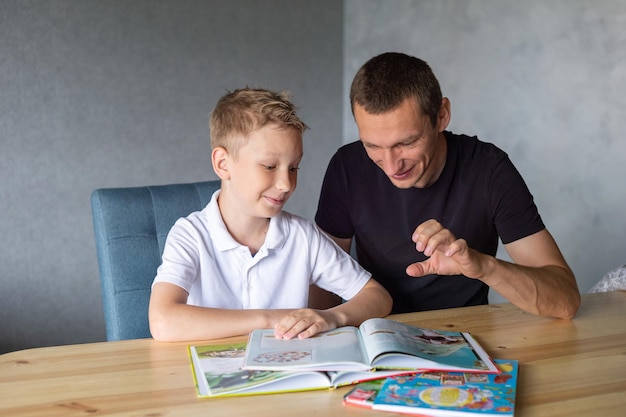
<point>295,219</point>
<point>292,226</point>
<point>290,217</point>
<point>287,220</point>
<point>205,221</point>
<point>198,216</point>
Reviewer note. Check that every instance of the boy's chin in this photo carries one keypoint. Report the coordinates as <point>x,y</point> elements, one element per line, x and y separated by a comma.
<point>269,212</point>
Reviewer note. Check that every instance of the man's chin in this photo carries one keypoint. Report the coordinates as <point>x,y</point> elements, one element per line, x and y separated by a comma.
<point>403,184</point>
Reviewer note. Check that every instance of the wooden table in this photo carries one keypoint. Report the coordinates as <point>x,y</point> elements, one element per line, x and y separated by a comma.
<point>567,368</point>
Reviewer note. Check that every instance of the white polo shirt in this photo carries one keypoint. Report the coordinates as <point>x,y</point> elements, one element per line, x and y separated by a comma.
<point>201,257</point>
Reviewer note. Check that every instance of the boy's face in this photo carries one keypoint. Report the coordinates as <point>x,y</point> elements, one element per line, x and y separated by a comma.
<point>265,172</point>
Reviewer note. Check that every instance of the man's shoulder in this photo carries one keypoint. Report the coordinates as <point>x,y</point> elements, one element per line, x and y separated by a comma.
<point>471,146</point>
<point>352,160</point>
<point>351,150</point>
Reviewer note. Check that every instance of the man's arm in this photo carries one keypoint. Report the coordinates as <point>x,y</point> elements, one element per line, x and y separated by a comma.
<point>539,281</point>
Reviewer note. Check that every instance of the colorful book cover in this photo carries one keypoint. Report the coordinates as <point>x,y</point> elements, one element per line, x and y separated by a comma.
<point>363,394</point>
<point>451,394</point>
<point>217,372</point>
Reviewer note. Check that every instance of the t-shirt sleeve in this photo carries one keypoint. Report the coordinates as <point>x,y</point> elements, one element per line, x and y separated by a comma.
<point>333,211</point>
<point>516,214</point>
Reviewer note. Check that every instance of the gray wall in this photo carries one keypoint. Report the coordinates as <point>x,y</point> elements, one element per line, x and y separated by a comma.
<point>116,93</point>
<point>545,81</point>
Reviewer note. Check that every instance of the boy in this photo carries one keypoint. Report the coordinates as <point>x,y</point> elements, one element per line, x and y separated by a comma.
<point>242,263</point>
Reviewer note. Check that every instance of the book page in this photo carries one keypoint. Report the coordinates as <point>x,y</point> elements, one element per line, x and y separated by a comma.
<point>339,349</point>
<point>383,336</point>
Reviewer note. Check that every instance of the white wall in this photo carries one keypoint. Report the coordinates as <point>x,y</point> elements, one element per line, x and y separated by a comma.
<point>545,81</point>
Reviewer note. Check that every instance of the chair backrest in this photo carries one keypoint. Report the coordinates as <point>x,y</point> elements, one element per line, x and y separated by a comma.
<point>131,225</point>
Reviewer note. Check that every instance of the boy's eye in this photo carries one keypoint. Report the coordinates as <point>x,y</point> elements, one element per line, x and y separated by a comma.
<point>294,169</point>
<point>269,167</point>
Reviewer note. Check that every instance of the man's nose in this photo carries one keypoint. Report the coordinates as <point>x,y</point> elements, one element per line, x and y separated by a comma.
<point>391,161</point>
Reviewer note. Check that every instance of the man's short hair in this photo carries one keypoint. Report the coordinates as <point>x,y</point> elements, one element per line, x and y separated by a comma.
<point>386,80</point>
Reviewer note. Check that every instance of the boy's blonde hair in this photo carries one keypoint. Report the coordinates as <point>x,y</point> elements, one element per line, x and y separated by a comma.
<point>245,110</point>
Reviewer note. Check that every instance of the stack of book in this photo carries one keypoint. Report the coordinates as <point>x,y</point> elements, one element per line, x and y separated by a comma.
<point>377,350</point>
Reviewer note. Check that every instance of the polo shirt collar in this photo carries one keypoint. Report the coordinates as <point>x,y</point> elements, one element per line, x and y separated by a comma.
<point>276,233</point>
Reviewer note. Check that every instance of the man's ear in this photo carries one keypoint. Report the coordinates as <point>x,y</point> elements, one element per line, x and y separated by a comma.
<point>219,159</point>
<point>444,115</point>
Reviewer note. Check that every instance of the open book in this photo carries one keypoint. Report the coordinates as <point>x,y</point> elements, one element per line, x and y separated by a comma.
<point>450,394</point>
<point>376,344</point>
<point>217,372</point>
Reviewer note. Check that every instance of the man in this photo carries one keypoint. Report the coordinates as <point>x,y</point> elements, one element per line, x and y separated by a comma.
<point>426,207</point>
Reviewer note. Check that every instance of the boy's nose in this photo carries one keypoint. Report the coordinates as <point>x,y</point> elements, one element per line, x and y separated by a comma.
<point>284,183</point>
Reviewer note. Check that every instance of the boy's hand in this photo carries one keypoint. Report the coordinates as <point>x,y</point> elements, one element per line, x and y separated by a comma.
<point>304,323</point>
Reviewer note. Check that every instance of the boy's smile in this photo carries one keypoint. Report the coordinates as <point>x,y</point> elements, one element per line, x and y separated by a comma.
<point>276,201</point>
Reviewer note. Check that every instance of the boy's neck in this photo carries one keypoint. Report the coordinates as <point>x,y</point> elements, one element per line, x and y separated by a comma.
<point>246,230</point>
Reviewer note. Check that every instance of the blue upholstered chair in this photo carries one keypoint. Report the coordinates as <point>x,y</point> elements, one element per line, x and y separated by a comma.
<point>131,225</point>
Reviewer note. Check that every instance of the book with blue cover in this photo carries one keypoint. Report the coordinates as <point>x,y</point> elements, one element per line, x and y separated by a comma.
<point>450,394</point>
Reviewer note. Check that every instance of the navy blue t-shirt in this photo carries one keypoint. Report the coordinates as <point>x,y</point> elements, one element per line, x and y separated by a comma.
<point>480,197</point>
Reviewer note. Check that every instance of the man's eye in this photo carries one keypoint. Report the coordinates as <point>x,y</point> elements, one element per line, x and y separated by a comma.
<point>294,169</point>
<point>269,167</point>
<point>415,141</point>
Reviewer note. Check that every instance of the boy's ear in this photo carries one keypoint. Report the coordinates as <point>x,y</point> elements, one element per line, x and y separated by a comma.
<point>219,159</point>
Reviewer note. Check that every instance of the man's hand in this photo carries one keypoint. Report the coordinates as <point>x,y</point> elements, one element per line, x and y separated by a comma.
<point>447,254</point>
<point>538,280</point>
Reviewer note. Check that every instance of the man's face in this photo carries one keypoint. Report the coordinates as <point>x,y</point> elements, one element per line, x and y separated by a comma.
<point>404,144</point>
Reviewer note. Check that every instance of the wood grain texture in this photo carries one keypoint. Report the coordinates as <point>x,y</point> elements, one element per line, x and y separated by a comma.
<point>567,367</point>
